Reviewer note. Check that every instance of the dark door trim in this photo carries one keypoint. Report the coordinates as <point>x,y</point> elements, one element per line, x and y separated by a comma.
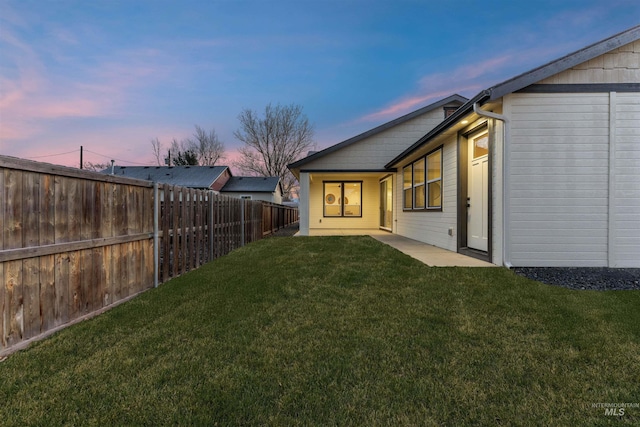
<point>463,189</point>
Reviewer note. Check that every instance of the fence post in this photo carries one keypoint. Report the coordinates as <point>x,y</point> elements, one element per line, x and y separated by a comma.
<point>156,248</point>
<point>211,195</point>
<point>241,222</point>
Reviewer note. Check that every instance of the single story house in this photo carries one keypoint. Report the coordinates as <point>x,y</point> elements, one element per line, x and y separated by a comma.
<point>200,177</point>
<point>268,189</point>
<point>354,171</point>
<point>216,178</point>
<point>540,170</point>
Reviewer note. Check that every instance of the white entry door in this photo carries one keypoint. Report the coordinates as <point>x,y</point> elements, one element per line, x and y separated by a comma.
<point>478,200</point>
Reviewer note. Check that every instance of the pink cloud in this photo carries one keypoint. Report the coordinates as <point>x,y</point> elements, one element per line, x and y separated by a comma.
<point>70,108</point>
<point>127,145</point>
<point>406,105</point>
<point>468,71</point>
<point>400,107</point>
<point>467,79</point>
<point>464,80</point>
<point>31,95</point>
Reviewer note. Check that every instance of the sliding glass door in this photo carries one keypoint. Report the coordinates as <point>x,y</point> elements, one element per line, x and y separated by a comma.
<point>386,203</point>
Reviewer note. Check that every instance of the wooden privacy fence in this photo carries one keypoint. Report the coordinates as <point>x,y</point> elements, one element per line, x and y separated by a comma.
<point>73,242</point>
<point>275,217</point>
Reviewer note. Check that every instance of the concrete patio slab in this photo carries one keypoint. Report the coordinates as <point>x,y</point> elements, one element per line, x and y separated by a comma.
<point>429,254</point>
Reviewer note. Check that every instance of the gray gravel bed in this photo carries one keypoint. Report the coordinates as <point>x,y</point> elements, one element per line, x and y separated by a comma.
<point>582,278</point>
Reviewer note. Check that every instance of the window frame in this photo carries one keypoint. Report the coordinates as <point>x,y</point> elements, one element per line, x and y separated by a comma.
<point>341,199</point>
<point>422,186</point>
<point>419,186</point>
<point>431,181</point>
<point>406,187</point>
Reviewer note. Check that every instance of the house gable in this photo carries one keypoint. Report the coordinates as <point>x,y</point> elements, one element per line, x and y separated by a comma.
<point>256,188</point>
<point>621,65</point>
<point>625,41</point>
<point>221,180</point>
<point>371,150</point>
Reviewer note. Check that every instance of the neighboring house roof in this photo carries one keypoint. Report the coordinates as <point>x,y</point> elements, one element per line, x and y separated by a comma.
<point>314,155</point>
<point>251,184</point>
<point>526,79</point>
<point>186,176</point>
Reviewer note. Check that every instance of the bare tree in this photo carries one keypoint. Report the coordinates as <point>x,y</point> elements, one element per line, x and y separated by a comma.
<point>182,154</point>
<point>157,151</point>
<point>96,167</point>
<point>281,137</point>
<point>207,146</point>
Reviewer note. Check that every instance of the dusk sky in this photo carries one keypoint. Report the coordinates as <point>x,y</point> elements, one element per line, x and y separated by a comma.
<point>113,75</point>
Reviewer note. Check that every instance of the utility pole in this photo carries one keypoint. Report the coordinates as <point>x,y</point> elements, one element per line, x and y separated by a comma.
<point>81,157</point>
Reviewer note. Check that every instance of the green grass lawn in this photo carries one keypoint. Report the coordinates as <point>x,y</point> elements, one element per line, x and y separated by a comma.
<point>336,331</point>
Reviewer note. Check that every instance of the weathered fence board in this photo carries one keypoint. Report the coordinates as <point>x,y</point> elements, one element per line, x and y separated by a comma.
<point>74,242</point>
<point>31,297</point>
<point>13,211</point>
<point>3,307</point>
<point>3,198</point>
<point>47,211</point>
<point>61,273</point>
<point>14,324</point>
<point>47,292</point>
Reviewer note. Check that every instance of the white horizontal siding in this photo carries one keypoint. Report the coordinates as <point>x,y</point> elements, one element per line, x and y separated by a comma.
<point>429,226</point>
<point>558,181</point>
<point>626,181</point>
<point>376,151</point>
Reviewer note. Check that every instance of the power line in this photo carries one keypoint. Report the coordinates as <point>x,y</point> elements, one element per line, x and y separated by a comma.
<point>52,155</point>
<point>113,158</point>
<point>88,151</point>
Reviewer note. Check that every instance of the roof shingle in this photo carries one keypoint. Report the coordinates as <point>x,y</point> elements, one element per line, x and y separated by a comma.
<point>251,184</point>
<point>186,176</point>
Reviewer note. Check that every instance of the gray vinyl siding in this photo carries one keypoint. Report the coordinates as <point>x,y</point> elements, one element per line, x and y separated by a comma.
<point>559,179</point>
<point>626,181</point>
<point>374,152</point>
